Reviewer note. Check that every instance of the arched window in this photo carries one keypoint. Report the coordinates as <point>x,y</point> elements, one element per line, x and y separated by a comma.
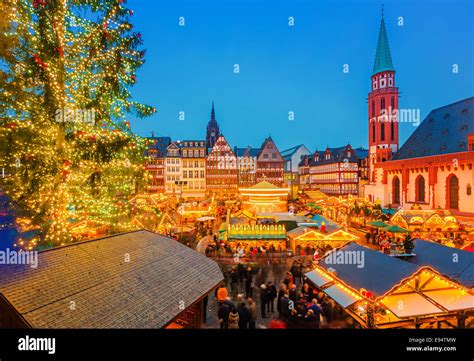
<point>382,131</point>
<point>420,189</point>
<point>396,190</point>
<point>392,130</point>
<point>392,103</point>
<point>373,132</point>
<point>452,196</point>
<point>373,108</point>
<point>382,104</point>
<point>468,189</point>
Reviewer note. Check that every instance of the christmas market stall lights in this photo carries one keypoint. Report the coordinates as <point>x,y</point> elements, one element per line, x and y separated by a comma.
<point>120,292</point>
<point>269,236</point>
<point>379,291</point>
<point>264,197</point>
<point>305,238</point>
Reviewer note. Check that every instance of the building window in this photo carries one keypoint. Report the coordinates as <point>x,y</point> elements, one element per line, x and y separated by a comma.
<point>396,190</point>
<point>373,133</point>
<point>392,131</point>
<point>392,103</point>
<point>382,131</point>
<point>373,108</point>
<point>420,189</point>
<point>468,190</point>
<point>382,104</point>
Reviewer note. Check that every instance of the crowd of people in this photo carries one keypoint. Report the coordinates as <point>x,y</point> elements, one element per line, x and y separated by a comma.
<point>293,304</point>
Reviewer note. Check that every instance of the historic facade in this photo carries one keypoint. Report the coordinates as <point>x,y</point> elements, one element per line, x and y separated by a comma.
<point>247,165</point>
<point>193,160</point>
<point>221,170</point>
<point>173,171</point>
<point>155,163</point>
<point>292,158</point>
<point>270,164</point>
<point>336,171</point>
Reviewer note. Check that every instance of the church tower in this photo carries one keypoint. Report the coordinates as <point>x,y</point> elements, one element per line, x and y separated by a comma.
<point>212,132</point>
<point>383,105</point>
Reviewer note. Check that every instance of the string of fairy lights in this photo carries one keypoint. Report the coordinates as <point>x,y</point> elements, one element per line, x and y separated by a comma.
<point>64,59</point>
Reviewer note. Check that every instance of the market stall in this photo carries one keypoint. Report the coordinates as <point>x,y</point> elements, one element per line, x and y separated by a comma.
<point>306,238</point>
<point>379,291</point>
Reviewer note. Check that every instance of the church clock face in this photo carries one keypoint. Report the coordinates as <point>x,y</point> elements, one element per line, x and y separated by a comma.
<point>213,134</point>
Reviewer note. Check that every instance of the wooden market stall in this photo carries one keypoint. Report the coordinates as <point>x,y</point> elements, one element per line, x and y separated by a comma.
<point>379,291</point>
<point>249,236</point>
<point>311,238</point>
<point>117,282</point>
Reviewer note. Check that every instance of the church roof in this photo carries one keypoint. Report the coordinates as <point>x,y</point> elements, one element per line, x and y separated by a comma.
<point>160,144</point>
<point>338,154</point>
<point>383,57</point>
<point>443,131</point>
<point>287,153</point>
<point>248,151</point>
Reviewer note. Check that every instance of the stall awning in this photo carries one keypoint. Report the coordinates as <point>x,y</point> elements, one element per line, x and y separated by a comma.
<point>342,296</point>
<point>318,278</point>
<point>410,305</point>
<point>452,300</point>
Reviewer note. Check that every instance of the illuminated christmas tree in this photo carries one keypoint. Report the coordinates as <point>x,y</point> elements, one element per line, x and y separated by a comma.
<point>66,149</point>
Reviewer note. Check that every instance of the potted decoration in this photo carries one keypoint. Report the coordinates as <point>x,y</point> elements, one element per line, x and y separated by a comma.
<point>408,244</point>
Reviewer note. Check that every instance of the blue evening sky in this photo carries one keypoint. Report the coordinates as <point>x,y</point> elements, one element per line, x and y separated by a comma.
<point>294,69</point>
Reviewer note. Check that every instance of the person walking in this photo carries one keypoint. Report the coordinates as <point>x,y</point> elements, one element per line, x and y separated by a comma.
<point>252,313</point>
<point>271,295</point>
<point>248,282</point>
<point>244,316</point>
<point>223,315</point>
<point>263,300</point>
<point>281,293</point>
<point>234,282</point>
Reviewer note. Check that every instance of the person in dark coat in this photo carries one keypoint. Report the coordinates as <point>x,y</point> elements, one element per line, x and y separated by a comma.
<point>248,282</point>
<point>293,294</point>
<point>281,293</point>
<point>234,282</point>
<point>311,320</point>
<point>271,295</point>
<point>241,272</point>
<point>263,299</point>
<point>244,315</point>
<point>252,307</point>
<point>285,307</point>
<point>223,314</point>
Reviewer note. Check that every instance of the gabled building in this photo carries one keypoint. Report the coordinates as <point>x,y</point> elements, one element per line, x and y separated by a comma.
<point>155,164</point>
<point>221,170</point>
<point>193,160</point>
<point>173,169</point>
<point>270,164</point>
<point>334,171</point>
<point>247,165</point>
<point>292,158</point>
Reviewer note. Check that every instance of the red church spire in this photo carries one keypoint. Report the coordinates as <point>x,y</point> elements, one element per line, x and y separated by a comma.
<point>382,105</point>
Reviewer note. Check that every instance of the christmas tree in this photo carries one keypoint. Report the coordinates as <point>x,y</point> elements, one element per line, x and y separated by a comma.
<point>70,159</point>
